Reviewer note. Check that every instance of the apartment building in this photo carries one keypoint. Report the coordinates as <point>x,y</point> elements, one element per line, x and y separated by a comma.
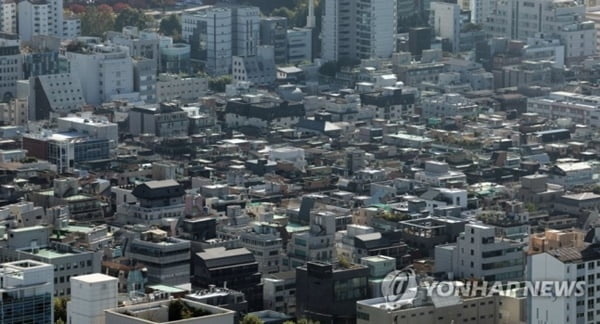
<point>11,66</point>
<point>158,203</point>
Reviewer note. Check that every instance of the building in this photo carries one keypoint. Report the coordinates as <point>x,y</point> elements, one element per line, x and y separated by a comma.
<point>34,19</point>
<point>262,112</point>
<point>174,87</point>
<point>299,45</point>
<point>157,203</point>
<point>342,21</point>
<point>144,78</point>
<point>54,95</point>
<point>143,43</point>
<point>448,105</point>
<point>245,23</point>
<point>174,58</point>
<point>316,244</point>
<point>235,268</point>
<point>259,69</point>
<point>221,297</point>
<point>569,175</point>
<point>428,232</point>
<point>209,31</point>
<point>279,292</point>
<point>478,253</point>
<point>8,17</point>
<point>328,292</point>
<point>158,311</point>
<point>274,32</point>
<point>552,239</point>
<point>267,246</point>
<point>91,295</point>
<point>26,288</point>
<point>505,309</point>
<point>11,66</point>
<point>565,264</point>
<point>162,120</point>
<point>94,126</point>
<point>108,70</point>
<point>166,258</point>
<point>480,10</point>
<point>579,108</point>
<point>447,23</point>
<point>15,112</point>
<point>71,27</point>
<point>438,174</point>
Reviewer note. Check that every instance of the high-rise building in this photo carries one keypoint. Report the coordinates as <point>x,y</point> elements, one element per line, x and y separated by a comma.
<point>447,23</point>
<point>91,295</point>
<point>358,29</point>
<point>37,17</point>
<point>26,296</point>
<point>209,32</point>
<point>108,71</point>
<point>11,66</point>
<point>480,10</point>
<point>273,31</point>
<point>8,17</point>
<point>245,23</point>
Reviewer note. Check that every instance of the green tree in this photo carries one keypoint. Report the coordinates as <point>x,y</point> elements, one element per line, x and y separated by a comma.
<point>251,319</point>
<point>170,26</point>
<point>218,84</point>
<point>60,309</point>
<point>95,22</point>
<point>132,17</point>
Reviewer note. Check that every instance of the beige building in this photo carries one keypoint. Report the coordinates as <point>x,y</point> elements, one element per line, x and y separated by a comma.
<point>158,312</point>
<point>508,309</point>
<point>553,239</point>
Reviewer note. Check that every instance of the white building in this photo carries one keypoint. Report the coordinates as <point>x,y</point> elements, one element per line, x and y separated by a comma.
<point>94,126</point>
<point>40,18</point>
<point>91,295</point>
<point>569,175</point>
<point>579,108</point>
<point>14,112</point>
<point>209,30</point>
<point>266,245</point>
<point>438,174</point>
<point>27,285</point>
<point>446,22</point>
<point>448,105</point>
<point>279,292</point>
<point>259,69</point>
<point>54,94</point>
<point>8,17</point>
<point>172,86</point>
<point>568,264</point>
<point>478,253</point>
<point>108,72</point>
<point>71,27</point>
<point>480,10</point>
<point>316,244</point>
<point>299,45</point>
<point>358,29</point>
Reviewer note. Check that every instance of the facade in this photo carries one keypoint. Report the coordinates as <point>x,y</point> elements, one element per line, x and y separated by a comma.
<point>15,112</point>
<point>478,253</point>
<point>328,293</point>
<point>54,95</point>
<point>71,27</point>
<point>166,258</point>
<point>273,32</point>
<point>34,19</point>
<point>163,120</point>
<point>158,203</point>
<point>245,30</point>
<point>569,263</point>
<point>108,70</point>
<point>447,22</point>
<point>11,66</point>
<point>262,112</point>
<point>209,31</point>
<point>144,78</point>
<point>174,87</point>
<point>175,58</point>
<point>8,17</point>
<point>279,292</point>
<point>316,244</point>
<point>570,175</point>
<point>299,45</point>
<point>94,126</point>
<point>561,104</point>
<point>358,29</point>
<point>27,286</point>
<point>236,268</point>
<point>266,245</point>
<point>448,105</point>
<point>259,69</point>
<point>438,174</point>
<point>90,295</point>
<point>140,43</point>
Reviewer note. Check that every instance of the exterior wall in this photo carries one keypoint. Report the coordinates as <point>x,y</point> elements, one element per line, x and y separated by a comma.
<point>90,296</point>
<point>299,45</point>
<point>170,88</point>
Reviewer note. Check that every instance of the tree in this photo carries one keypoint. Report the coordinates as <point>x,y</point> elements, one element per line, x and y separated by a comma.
<point>251,319</point>
<point>170,26</point>
<point>60,309</point>
<point>131,17</point>
<point>77,8</point>
<point>218,84</point>
<point>97,21</point>
<point>120,6</point>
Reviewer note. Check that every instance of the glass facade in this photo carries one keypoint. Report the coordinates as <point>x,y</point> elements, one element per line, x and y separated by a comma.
<point>34,310</point>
